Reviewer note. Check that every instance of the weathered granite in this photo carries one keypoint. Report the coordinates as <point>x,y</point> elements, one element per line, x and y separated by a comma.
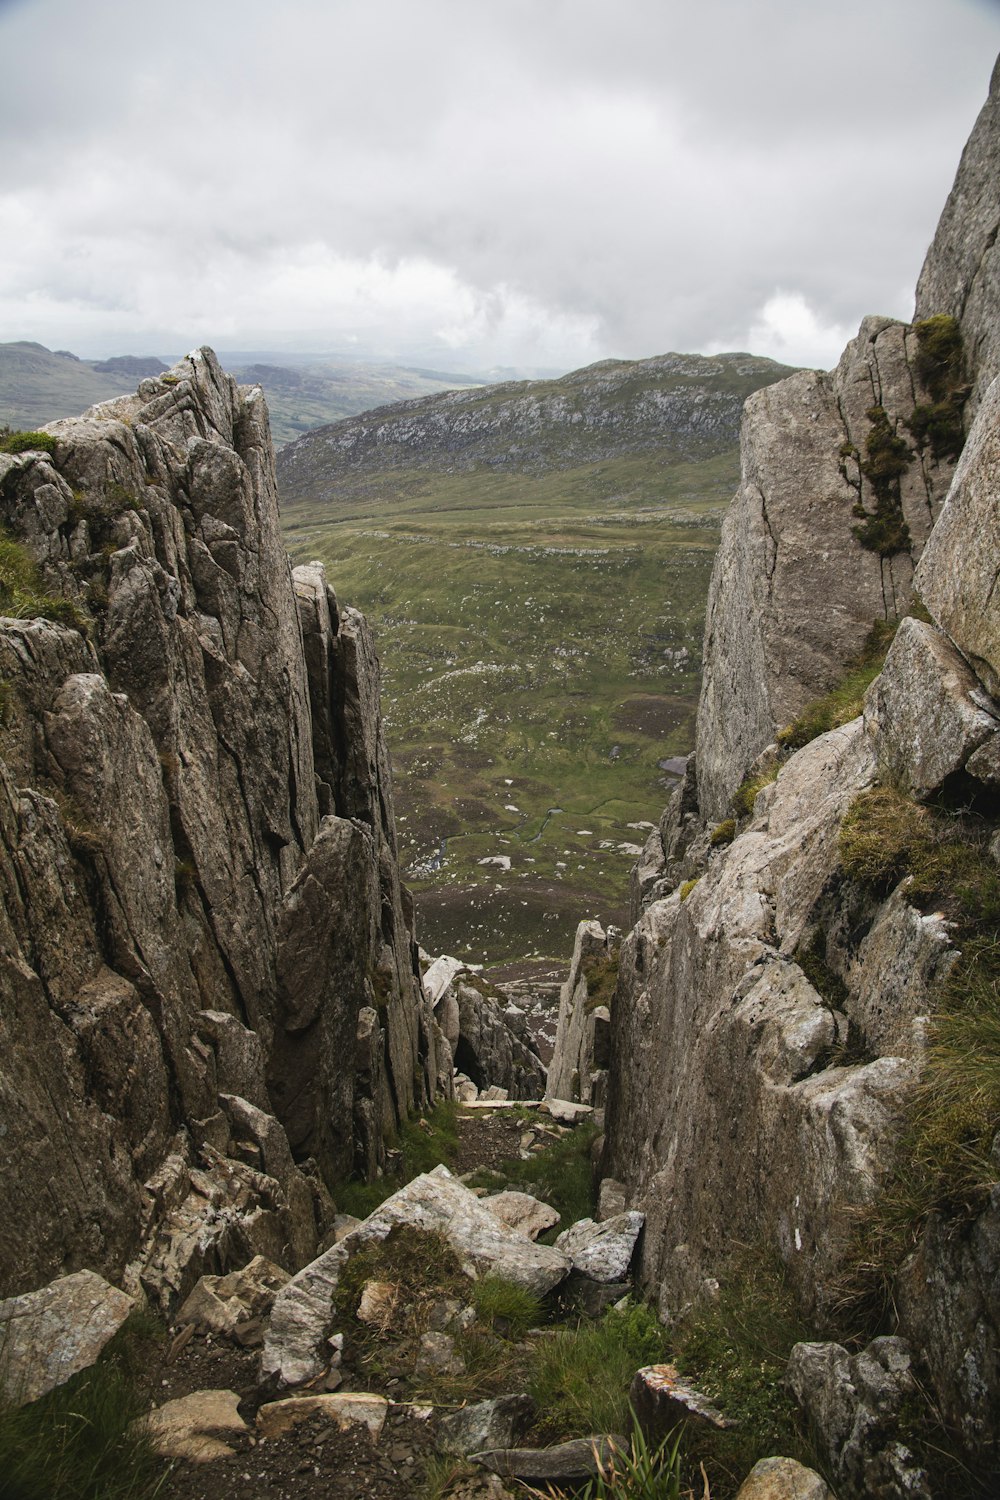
<point>168,784</point>
<point>854,1404</point>
<point>957,578</point>
<point>793,593</point>
<point>48,1336</point>
<point>961,273</point>
<point>922,712</point>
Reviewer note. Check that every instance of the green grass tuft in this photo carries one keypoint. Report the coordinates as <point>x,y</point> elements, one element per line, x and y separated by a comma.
<point>22,596</point>
<point>723,833</point>
<point>581,1376</point>
<point>422,1144</point>
<point>80,1442</point>
<point>27,442</point>
<point>506,1306</point>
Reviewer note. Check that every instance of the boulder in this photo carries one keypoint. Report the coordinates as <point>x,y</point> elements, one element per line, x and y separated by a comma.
<point>574,1050</point>
<point>522,1213</point>
<point>603,1251</point>
<point>438,1355</point>
<point>199,1427</point>
<point>48,1336</point>
<point>783,1479</point>
<point>221,1304</point>
<point>567,1463</point>
<point>434,1203</point>
<point>921,713</point>
<point>661,1397</point>
<point>486,1425</point>
<point>854,1404</point>
<point>346,1410</point>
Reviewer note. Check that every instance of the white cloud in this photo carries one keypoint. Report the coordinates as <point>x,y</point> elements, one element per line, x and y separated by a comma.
<point>789,330</point>
<point>513,183</point>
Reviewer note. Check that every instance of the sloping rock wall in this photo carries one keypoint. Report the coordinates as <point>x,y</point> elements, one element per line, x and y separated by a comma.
<point>184,786</point>
<point>747,1107</point>
<point>794,593</point>
<point>961,274</point>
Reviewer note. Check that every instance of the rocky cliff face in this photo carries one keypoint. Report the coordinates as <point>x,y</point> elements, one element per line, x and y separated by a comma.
<point>772,1013</point>
<point>210,998</point>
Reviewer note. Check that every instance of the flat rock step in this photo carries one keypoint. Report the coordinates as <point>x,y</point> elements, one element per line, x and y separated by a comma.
<point>570,1462</point>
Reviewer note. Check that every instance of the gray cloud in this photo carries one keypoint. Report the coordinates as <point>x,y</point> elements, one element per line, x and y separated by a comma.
<point>533,181</point>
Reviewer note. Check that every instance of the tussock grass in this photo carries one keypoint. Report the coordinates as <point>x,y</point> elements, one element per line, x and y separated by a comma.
<point>640,1473</point>
<point>22,596</point>
<point>80,1442</point>
<point>505,1306</point>
<point>845,701</point>
<point>581,1376</point>
<point>946,1165</point>
<point>736,1349</point>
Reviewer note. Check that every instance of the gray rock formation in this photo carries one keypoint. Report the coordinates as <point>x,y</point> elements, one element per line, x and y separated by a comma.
<point>198,888</point>
<point>770,1016</point>
<point>961,274</point>
<point>583,1032</point>
<point>794,594</point>
<point>474,1025</point>
<point>855,1405</point>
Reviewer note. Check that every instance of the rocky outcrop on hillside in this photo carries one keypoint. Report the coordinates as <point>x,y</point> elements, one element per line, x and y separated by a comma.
<point>684,403</point>
<point>771,1018</point>
<point>212,1008</point>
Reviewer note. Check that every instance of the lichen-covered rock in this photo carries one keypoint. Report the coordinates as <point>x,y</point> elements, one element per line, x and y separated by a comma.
<point>961,273</point>
<point>733,1077</point>
<point>522,1213</point>
<point>48,1336</point>
<point>794,593</point>
<point>949,1311</point>
<point>484,1048</point>
<point>581,1034</point>
<point>601,1251</point>
<point>854,1404</point>
<point>485,1425</point>
<point>957,578</point>
<point>922,712</point>
<point>783,1479</point>
<point>168,784</point>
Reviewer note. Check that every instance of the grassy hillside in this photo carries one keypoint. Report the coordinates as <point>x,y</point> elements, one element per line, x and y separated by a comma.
<point>539,620</point>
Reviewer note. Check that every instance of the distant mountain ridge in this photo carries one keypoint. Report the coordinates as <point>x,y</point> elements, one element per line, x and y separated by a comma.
<point>687,405</point>
<point>38,385</point>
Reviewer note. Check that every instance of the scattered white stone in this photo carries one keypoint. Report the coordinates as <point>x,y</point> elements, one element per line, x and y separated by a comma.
<point>501,861</point>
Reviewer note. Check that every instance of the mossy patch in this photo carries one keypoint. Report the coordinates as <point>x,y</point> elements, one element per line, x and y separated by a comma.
<point>22,595</point>
<point>887,455</point>
<point>27,442</point>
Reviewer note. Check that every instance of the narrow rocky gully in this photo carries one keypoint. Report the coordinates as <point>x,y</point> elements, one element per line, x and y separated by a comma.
<point>423,1365</point>
<point>442,1323</point>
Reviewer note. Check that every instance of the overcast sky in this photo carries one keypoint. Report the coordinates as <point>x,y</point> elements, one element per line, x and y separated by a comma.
<point>477,182</point>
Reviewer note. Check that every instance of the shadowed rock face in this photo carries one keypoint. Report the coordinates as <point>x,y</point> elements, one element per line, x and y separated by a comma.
<point>196,842</point>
